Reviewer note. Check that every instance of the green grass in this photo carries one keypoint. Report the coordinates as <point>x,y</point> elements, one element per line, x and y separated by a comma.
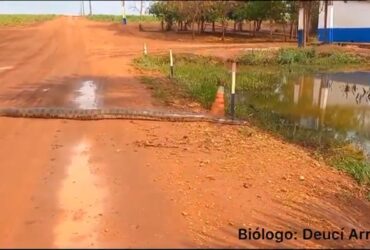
<point>353,163</point>
<point>257,57</point>
<point>196,76</point>
<point>160,93</point>
<point>298,56</point>
<point>199,77</point>
<point>118,18</point>
<point>13,20</point>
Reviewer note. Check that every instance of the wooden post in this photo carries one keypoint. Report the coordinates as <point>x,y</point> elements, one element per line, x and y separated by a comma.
<point>145,50</point>
<point>171,64</point>
<point>232,102</point>
<point>304,34</point>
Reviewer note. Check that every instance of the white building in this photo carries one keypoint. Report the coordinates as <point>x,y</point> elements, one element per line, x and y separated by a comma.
<point>346,21</point>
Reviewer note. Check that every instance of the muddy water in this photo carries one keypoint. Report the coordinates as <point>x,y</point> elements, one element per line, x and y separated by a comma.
<point>336,103</point>
<point>86,97</point>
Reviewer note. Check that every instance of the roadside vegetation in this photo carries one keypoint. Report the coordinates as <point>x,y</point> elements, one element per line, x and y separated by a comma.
<point>118,18</point>
<point>299,56</point>
<point>18,19</point>
<point>198,77</point>
<point>195,75</point>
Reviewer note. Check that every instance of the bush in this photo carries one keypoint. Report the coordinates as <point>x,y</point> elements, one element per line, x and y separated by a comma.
<point>339,58</point>
<point>256,58</point>
<point>294,55</point>
<point>359,169</point>
<point>298,56</point>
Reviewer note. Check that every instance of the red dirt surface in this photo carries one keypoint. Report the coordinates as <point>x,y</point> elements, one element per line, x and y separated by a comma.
<point>145,184</point>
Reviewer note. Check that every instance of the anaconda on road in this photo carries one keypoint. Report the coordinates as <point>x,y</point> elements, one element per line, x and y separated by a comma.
<point>128,183</point>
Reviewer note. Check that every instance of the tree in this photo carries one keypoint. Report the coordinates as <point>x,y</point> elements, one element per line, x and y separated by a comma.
<point>211,14</point>
<point>223,9</point>
<point>292,12</point>
<point>257,12</point>
<point>165,11</point>
<point>192,13</point>
<point>278,13</point>
<point>158,9</point>
<point>239,13</point>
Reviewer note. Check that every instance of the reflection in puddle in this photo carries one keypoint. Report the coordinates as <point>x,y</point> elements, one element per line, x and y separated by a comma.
<point>80,201</point>
<point>86,98</point>
<point>338,103</point>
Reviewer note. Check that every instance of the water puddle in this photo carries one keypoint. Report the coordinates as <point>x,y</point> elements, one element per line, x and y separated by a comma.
<point>86,95</point>
<point>337,104</point>
<point>80,201</point>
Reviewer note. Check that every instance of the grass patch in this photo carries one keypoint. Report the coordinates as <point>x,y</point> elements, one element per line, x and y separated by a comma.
<point>299,56</point>
<point>258,57</point>
<point>160,92</point>
<point>356,167</point>
<point>196,76</point>
<point>13,20</point>
<point>118,18</point>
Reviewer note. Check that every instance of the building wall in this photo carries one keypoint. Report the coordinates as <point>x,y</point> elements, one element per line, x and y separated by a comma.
<point>353,14</point>
<point>346,22</point>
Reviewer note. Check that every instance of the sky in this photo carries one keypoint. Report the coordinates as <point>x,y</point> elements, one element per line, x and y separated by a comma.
<point>69,7</point>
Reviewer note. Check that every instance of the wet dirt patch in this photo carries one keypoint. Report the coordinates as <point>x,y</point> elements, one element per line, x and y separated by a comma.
<point>86,95</point>
<point>81,201</point>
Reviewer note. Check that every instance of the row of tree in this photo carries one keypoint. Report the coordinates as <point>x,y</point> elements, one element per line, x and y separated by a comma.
<point>186,15</point>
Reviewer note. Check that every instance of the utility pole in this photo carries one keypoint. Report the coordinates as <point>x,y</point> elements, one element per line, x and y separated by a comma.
<point>124,21</point>
<point>141,7</point>
<point>90,8</point>
<point>82,8</point>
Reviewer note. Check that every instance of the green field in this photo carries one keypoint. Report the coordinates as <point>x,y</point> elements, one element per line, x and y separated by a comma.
<point>118,18</point>
<point>10,20</point>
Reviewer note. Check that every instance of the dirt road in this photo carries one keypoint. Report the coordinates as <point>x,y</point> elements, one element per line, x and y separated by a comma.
<point>122,183</point>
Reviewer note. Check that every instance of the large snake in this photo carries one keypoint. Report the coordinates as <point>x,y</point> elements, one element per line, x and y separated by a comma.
<point>113,113</point>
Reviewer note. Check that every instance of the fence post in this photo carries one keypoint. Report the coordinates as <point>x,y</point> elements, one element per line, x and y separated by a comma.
<point>233,76</point>
<point>145,50</point>
<point>171,64</point>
